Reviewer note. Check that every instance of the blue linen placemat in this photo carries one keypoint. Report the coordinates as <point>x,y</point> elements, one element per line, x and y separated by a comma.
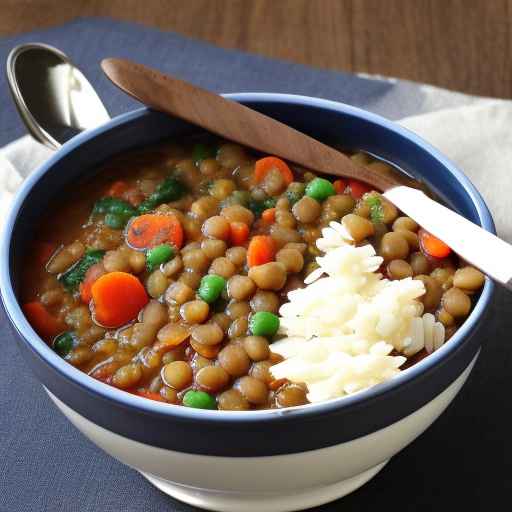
<point>464,459</point>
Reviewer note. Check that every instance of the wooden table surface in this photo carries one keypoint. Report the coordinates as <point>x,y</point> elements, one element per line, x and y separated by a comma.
<point>459,44</point>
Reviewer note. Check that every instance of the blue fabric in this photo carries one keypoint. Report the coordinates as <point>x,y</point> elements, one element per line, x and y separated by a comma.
<point>463,461</point>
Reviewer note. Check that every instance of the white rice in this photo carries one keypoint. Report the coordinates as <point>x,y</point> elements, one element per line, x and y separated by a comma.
<point>340,329</point>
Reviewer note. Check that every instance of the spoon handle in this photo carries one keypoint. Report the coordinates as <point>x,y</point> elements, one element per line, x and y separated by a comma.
<point>482,249</point>
<point>234,121</point>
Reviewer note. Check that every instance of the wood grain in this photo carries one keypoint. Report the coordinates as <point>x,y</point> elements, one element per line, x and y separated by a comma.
<point>458,44</point>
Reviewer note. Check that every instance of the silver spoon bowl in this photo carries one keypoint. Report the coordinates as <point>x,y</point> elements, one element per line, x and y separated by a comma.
<point>53,97</point>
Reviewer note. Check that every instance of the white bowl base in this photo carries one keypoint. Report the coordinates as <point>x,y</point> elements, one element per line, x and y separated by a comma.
<point>224,501</point>
<point>275,483</point>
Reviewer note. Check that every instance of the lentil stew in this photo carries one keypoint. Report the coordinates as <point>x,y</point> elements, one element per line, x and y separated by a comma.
<point>163,276</point>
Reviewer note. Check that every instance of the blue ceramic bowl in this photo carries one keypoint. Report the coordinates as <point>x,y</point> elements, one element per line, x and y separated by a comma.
<point>276,435</point>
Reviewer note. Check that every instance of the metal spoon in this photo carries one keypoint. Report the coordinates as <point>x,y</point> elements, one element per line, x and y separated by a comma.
<point>237,122</point>
<point>53,97</point>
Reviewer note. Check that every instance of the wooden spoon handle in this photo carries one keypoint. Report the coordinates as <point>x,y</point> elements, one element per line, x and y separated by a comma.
<point>234,121</point>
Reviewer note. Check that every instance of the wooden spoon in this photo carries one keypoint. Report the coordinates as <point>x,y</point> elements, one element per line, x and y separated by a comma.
<point>236,122</point>
<point>241,124</point>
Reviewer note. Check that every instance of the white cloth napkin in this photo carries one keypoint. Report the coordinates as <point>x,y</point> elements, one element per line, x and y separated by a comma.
<point>17,160</point>
<point>478,138</point>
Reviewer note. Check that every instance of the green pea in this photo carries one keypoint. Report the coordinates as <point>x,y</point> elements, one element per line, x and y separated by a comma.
<point>264,323</point>
<point>63,343</point>
<point>211,287</point>
<point>320,189</point>
<point>158,255</point>
<point>115,221</point>
<point>199,400</point>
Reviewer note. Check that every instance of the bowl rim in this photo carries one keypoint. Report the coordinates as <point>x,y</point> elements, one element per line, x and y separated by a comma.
<point>110,393</point>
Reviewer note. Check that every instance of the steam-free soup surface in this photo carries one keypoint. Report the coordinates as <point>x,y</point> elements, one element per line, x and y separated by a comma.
<point>164,273</point>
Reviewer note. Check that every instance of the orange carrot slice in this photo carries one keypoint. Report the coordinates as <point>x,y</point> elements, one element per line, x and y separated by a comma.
<point>264,165</point>
<point>117,189</point>
<point>150,230</point>
<point>432,246</point>
<point>358,188</point>
<point>44,323</point>
<point>339,186</point>
<point>117,297</point>
<point>261,250</point>
<point>268,216</point>
<point>239,233</point>
<point>91,276</point>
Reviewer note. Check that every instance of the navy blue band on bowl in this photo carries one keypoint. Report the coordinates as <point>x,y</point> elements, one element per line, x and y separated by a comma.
<point>253,433</point>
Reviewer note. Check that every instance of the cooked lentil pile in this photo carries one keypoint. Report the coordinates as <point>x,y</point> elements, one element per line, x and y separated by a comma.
<point>163,275</point>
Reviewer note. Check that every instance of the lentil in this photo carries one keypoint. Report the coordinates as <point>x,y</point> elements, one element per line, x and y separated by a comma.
<point>232,400</point>
<point>270,276</point>
<point>292,260</point>
<point>208,334</point>
<point>212,378</point>
<point>213,248</point>
<point>194,311</point>
<point>456,303</point>
<point>237,256</point>
<point>358,227</point>
<point>234,360</point>
<point>253,390</point>
<point>240,287</point>
<point>257,347</point>
<point>177,375</point>
<point>468,278</point>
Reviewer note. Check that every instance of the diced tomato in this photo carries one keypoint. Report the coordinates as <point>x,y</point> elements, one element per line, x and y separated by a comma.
<point>358,188</point>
